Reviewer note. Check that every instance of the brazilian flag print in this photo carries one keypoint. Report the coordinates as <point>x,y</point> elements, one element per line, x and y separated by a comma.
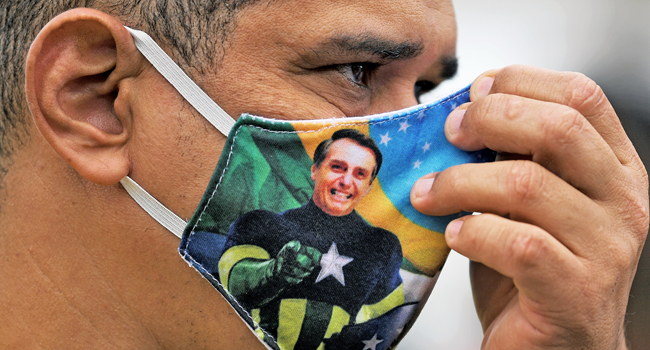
<point>266,172</point>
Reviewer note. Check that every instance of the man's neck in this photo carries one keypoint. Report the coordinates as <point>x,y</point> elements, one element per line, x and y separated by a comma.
<point>83,266</point>
<point>55,284</point>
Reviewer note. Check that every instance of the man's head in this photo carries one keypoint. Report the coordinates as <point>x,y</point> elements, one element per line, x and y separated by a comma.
<point>98,111</point>
<point>195,32</point>
<point>344,168</point>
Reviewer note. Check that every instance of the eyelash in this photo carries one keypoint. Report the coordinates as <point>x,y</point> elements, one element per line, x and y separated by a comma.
<point>347,70</point>
<point>360,78</point>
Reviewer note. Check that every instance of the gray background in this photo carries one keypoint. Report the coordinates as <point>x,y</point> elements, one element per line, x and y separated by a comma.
<point>609,41</point>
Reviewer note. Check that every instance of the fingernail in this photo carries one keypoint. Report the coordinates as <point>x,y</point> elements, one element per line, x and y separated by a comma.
<point>453,228</point>
<point>484,87</point>
<point>423,186</point>
<point>455,118</point>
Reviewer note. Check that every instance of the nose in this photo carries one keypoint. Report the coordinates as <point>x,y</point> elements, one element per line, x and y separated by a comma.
<point>345,180</point>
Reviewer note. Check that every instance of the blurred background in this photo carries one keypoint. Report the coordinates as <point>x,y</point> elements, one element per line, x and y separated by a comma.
<point>609,41</point>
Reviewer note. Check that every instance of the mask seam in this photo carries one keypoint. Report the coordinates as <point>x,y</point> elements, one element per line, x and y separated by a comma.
<point>189,239</point>
<point>231,297</point>
<point>367,121</point>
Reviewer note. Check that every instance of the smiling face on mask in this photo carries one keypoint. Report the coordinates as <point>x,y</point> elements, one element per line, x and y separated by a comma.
<point>343,178</point>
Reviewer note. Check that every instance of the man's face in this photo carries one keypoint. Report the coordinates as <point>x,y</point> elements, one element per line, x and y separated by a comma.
<point>343,178</point>
<point>289,59</point>
<point>322,59</point>
<point>297,59</point>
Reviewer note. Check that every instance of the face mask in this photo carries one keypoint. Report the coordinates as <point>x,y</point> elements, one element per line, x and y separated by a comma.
<point>306,227</point>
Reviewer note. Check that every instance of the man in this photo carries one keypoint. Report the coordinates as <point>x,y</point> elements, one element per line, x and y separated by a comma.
<point>322,255</point>
<point>83,266</point>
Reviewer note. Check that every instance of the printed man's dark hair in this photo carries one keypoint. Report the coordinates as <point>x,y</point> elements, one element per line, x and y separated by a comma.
<point>195,31</point>
<point>363,140</point>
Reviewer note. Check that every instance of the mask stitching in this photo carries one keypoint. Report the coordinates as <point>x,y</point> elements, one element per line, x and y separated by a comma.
<point>189,239</point>
<point>390,119</point>
<point>212,278</point>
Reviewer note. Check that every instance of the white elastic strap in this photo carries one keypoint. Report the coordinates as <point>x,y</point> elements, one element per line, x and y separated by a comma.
<point>183,84</point>
<point>156,209</point>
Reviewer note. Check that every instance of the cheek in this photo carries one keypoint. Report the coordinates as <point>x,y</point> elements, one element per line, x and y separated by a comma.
<point>272,94</point>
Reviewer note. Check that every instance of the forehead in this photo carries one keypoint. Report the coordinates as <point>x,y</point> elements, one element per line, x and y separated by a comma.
<point>290,24</point>
<point>350,152</point>
<point>410,17</point>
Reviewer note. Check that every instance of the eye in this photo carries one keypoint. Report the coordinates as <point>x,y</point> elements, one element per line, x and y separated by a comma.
<point>422,87</point>
<point>357,73</point>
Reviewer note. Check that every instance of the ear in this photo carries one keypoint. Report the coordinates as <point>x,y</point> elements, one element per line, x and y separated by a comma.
<point>313,172</point>
<point>75,71</point>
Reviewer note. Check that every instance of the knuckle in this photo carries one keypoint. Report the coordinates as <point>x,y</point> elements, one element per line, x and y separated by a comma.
<point>584,93</point>
<point>525,180</point>
<point>515,78</point>
<point>528,248</point>
<point>564,127</point>
<point>634,213</point>
<point>481,109</point>
<point>484,111</point>
<point>513,107</point>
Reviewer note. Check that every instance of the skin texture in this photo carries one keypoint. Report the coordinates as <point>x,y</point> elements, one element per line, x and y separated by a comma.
<point>83,266</point>
<point>565,213</point>
<point>343,178</point>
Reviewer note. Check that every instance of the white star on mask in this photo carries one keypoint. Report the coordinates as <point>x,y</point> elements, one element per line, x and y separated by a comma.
<point>372,343</point>
<point>404,126</point>
<point>331,264</point>
<point>385,139</point>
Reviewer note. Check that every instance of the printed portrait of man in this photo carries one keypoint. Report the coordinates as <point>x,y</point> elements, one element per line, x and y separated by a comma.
<point>311,275</point>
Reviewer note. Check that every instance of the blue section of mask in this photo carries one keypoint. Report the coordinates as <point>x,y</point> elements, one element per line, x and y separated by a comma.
<point>414,144</point>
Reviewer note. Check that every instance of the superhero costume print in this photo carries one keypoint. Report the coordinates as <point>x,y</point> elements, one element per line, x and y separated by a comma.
<point>339,271</point>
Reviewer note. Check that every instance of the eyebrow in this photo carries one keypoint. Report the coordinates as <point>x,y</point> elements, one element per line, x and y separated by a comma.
<point>370,45</point>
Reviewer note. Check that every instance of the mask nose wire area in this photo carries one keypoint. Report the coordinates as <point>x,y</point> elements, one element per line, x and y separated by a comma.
<point>193,95</point>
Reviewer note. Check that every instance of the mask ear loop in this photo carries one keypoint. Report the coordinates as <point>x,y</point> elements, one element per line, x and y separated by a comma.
<point>153,207</point>
<point>183,84</point>
<point>192,94</point>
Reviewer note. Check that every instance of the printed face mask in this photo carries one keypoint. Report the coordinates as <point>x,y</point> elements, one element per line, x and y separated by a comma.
<point>306,227</point>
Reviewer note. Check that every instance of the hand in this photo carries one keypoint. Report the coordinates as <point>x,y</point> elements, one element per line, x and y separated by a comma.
<point>295,262</point>
<point>565,213</point>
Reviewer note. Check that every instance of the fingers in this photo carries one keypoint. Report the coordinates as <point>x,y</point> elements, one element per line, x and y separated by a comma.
<point>297,261</point>
<point>523,252</point>
<point>555,136</point>
<point>522,191</point>
<point>564,216</point>
<point>573,90</point>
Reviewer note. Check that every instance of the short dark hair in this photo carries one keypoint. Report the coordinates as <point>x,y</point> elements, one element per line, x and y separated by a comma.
<point>195,31</point>
<point>363,140</point>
